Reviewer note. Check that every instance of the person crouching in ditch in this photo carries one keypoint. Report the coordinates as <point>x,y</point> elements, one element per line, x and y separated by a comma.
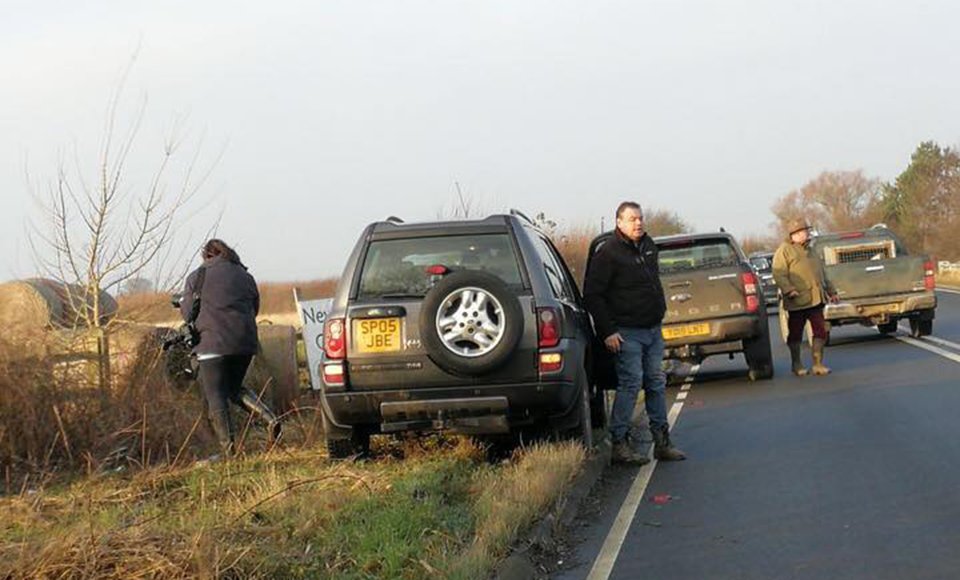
<point>625,298</point>
<point>800,280</point>
<point>226,322</point>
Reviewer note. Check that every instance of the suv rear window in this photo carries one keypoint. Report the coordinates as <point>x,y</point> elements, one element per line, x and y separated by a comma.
<point>398,267</point>
<point>696,255</point>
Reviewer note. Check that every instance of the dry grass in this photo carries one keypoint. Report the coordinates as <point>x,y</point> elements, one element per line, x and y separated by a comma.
<point>54,418</point>
<point>949,278</point>
<point>514,497</point>
<point>440,513</point>
<point>276,298</point>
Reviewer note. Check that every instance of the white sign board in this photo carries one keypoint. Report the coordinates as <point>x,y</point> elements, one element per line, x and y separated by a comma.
<point>313,313</point>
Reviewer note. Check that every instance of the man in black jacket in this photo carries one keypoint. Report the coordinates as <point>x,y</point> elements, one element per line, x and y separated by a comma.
<point>624,295</point>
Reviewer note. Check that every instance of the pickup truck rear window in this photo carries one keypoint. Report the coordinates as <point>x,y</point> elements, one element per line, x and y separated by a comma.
<point>398,267</point>
<point>696,255</point>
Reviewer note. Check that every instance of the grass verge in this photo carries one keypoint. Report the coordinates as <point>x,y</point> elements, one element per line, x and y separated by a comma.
<point>442,514</point>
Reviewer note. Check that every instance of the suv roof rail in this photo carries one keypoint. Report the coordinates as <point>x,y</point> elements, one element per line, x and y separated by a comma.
<point>521,215</point>
<point>393,219</point>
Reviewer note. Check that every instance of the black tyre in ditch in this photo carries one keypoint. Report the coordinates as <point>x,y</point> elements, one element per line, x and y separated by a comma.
<point>470,323</point>
<point>345,443</point>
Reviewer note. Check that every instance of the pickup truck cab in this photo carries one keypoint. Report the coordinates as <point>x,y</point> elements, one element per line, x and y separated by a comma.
<point>878,282</point>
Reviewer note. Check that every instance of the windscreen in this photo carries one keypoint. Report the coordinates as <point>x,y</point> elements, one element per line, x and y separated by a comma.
<point>398,267</point>
<point>697,255</point>
<point>761,263</point>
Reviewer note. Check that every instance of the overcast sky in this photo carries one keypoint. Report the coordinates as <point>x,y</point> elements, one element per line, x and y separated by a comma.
<point>332,114</point>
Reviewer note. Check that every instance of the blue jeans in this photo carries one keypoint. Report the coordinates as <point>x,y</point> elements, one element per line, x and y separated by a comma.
<point>639,364</point>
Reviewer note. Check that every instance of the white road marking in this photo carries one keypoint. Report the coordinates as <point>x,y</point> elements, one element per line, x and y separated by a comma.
<point>603,565</point>
<point>942,342</point>
<point>930,338</point>
<point>929,347</point>
<point>947,290</point>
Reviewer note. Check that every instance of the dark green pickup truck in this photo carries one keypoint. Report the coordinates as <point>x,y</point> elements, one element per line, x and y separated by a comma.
<point>878,281</point>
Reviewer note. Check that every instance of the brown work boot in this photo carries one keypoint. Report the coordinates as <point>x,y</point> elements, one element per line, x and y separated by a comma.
<point>796,363</point>
<point>663,448</point>
<point>818,367</point>
<point>623,453</point>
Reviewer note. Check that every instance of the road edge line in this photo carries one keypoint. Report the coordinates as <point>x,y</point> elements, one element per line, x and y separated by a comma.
<point>610,550</point>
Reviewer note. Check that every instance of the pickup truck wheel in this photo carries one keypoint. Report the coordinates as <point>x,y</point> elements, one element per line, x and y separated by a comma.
<point>920,328</point>
<point>470,323</point>
<point>889,327</point>
<point>759,357</point>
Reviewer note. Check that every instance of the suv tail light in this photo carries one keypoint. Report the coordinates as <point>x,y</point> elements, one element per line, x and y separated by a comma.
<point>548,336</point>
<point>335,338</point>
<point>929,282</point>
<point>750,284</point>
<point>548,327</point>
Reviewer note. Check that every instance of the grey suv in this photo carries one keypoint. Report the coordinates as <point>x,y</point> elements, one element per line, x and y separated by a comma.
<point>473,326</point>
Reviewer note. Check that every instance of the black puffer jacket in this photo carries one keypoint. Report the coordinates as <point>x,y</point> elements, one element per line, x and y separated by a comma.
<point>622,287</point>
<point>229,303</point>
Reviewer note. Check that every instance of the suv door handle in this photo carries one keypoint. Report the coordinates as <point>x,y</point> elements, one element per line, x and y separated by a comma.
<point>873,269</point>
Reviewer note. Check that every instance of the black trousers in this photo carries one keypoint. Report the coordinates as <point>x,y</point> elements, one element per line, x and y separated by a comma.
<point>222,380</point>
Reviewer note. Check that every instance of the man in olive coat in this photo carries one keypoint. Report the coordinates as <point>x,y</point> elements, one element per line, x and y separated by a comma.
<point>799,277</point>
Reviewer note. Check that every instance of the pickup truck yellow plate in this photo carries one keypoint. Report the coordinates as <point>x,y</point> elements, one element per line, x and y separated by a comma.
<point>377,334</point>
<point>686,330</point>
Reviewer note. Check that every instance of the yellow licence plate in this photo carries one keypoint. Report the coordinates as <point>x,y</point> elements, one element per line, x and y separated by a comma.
<point>686,330</point>
<point>377,334</point>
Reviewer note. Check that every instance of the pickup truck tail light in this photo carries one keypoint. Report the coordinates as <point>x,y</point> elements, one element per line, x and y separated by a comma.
<point>929,282</point>
<point>750,290</point>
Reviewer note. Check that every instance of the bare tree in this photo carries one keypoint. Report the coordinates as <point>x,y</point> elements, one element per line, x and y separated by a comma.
<point>662,222</point>
<point>833,201</point>
<point>101,228</point>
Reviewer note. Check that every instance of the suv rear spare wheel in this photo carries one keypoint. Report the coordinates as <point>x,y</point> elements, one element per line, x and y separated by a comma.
<point>470,323</point>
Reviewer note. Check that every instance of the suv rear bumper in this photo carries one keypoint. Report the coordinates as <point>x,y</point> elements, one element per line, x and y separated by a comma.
<point>726,335</point>
<point>475,409</point>
<point>879,309</point>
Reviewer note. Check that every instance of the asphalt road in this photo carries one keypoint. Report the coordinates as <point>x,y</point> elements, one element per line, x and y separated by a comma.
<point>853,475</point>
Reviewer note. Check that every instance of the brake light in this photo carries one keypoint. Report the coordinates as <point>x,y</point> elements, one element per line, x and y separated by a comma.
<point>437,270</point>
<point>749,280</point>
<point>851,235</point>
<point>335,339</point>
<point>929,282</point>
<point>548,327</point>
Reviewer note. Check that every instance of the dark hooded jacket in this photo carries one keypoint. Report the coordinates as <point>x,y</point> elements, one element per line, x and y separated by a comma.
<point>229,303</point>
<point>622,286</point>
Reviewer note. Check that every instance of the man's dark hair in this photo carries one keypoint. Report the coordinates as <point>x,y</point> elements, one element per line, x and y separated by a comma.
<point>215,247</point>
<point>625,205</point>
